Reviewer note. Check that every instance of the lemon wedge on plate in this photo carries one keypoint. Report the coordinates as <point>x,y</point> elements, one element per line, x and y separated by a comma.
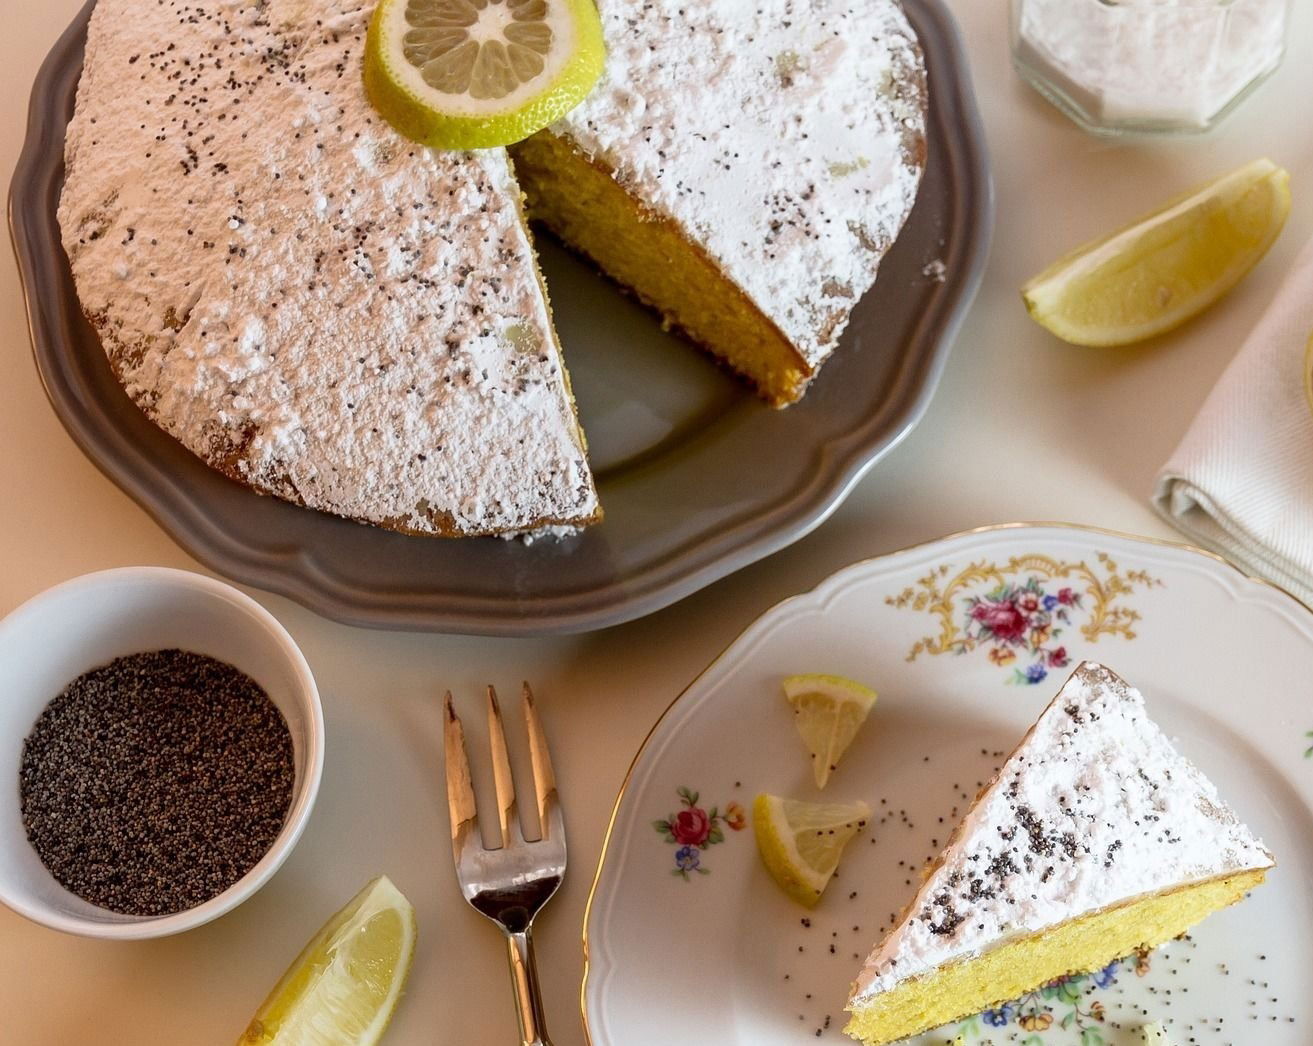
<point>801,843</point>
<point>828,711</point>
<point>342,988</point>
<point>1165,268</point>
<point>473,74</point>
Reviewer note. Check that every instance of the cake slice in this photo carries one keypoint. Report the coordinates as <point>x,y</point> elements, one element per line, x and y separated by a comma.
<point>742,168</point>
<point>1095,839</point>
<point>312,304</point>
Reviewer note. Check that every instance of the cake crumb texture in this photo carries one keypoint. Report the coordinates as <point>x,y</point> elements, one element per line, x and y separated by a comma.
<point>966,987</point>
<point>1095,808</point>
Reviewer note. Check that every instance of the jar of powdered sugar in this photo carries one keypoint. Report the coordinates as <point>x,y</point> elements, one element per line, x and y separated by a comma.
<point>1150,66</point>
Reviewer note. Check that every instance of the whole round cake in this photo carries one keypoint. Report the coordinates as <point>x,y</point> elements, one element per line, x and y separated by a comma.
<point>332,314</point>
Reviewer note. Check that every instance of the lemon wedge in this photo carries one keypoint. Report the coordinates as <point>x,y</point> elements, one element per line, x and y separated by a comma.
<point>801,843</point>
<point>473,74</point>
<point>828,711</point>
<point>1165,268</point>
<point>342,988</point>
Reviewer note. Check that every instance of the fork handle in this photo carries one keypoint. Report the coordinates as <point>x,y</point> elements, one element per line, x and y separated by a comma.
<point>524,982</point>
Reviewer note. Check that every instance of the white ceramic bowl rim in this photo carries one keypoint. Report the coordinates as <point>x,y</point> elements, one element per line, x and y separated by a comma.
<point>305,790</point>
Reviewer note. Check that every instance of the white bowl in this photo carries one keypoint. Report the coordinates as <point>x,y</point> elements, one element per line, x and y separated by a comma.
<point>56,636</point>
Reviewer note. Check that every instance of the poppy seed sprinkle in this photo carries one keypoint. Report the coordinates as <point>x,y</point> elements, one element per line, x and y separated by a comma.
<point>153,783</point>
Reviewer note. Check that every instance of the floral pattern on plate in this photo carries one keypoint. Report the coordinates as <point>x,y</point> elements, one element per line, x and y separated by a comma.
<point>694,828</point>
<point>1019,610</point>
<point>1065,1004</point>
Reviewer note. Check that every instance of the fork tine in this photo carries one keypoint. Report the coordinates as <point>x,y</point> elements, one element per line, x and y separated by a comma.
<point>460,791</point>
<point>544,779</point>
<point>501,773</point>
<point>510,883</point>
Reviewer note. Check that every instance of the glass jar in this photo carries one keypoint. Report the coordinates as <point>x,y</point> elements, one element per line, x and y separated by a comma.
<point>1117,66</point>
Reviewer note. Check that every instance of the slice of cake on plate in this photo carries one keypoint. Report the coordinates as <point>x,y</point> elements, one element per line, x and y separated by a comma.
<point>742,167</point>
<point>1095,839</point>
<point>309,302</point>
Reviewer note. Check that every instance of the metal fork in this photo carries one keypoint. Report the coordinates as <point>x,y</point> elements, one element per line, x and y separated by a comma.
<point>511,882</point>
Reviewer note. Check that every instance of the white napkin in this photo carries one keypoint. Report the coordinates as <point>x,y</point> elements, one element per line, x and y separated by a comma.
<point>1241,482</point>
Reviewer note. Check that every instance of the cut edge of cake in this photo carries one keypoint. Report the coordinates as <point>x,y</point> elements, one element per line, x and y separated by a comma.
<point>969,986</point>
<point>742,175</point>
<point>637,248</point>
<point>887,1006</point>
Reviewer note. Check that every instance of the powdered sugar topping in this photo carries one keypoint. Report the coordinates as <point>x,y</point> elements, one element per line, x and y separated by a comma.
<point>1094,808</point>
<point>306,300</point>
<point>785,136</point>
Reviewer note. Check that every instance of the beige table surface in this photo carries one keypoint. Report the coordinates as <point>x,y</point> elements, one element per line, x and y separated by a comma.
<point>1022,428</point>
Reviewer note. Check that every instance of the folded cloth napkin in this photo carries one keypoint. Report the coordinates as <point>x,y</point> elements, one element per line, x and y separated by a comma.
<point>1241,482</point>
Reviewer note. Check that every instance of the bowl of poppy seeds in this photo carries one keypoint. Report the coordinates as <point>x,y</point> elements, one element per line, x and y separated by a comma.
<point>161,744</point>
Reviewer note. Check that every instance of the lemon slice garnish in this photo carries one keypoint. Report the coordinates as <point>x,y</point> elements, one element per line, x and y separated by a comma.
<point>342,988</point>
<point>828,711</point>
<point>801,843</point>
<point>1165,268</point>
<point>473,74</point>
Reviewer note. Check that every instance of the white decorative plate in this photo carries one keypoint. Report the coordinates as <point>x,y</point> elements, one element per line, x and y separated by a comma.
<point>688,941</point>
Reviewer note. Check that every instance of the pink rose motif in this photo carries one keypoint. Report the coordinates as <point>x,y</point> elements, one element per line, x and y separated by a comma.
<point>693,829</point>
<point>691,826</point>
<point>1029,603</point>
<point>1058,658</point>
<point>1066,597</point>
<point>1003,619</point>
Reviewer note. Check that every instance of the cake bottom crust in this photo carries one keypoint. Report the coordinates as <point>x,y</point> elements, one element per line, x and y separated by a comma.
<point>965,988</point>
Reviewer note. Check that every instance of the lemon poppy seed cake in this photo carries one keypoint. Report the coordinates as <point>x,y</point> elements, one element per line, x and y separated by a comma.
<point>1096,838</point>
<point>743,168</point>
<point>335,315</point>
<point>311,303</point>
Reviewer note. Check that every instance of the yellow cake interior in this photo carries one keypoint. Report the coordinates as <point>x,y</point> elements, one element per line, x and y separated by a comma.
<point>962,989</point>
<point>584,205</point>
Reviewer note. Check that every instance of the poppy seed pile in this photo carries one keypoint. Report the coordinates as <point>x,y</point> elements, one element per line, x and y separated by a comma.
<point>153,783</point>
